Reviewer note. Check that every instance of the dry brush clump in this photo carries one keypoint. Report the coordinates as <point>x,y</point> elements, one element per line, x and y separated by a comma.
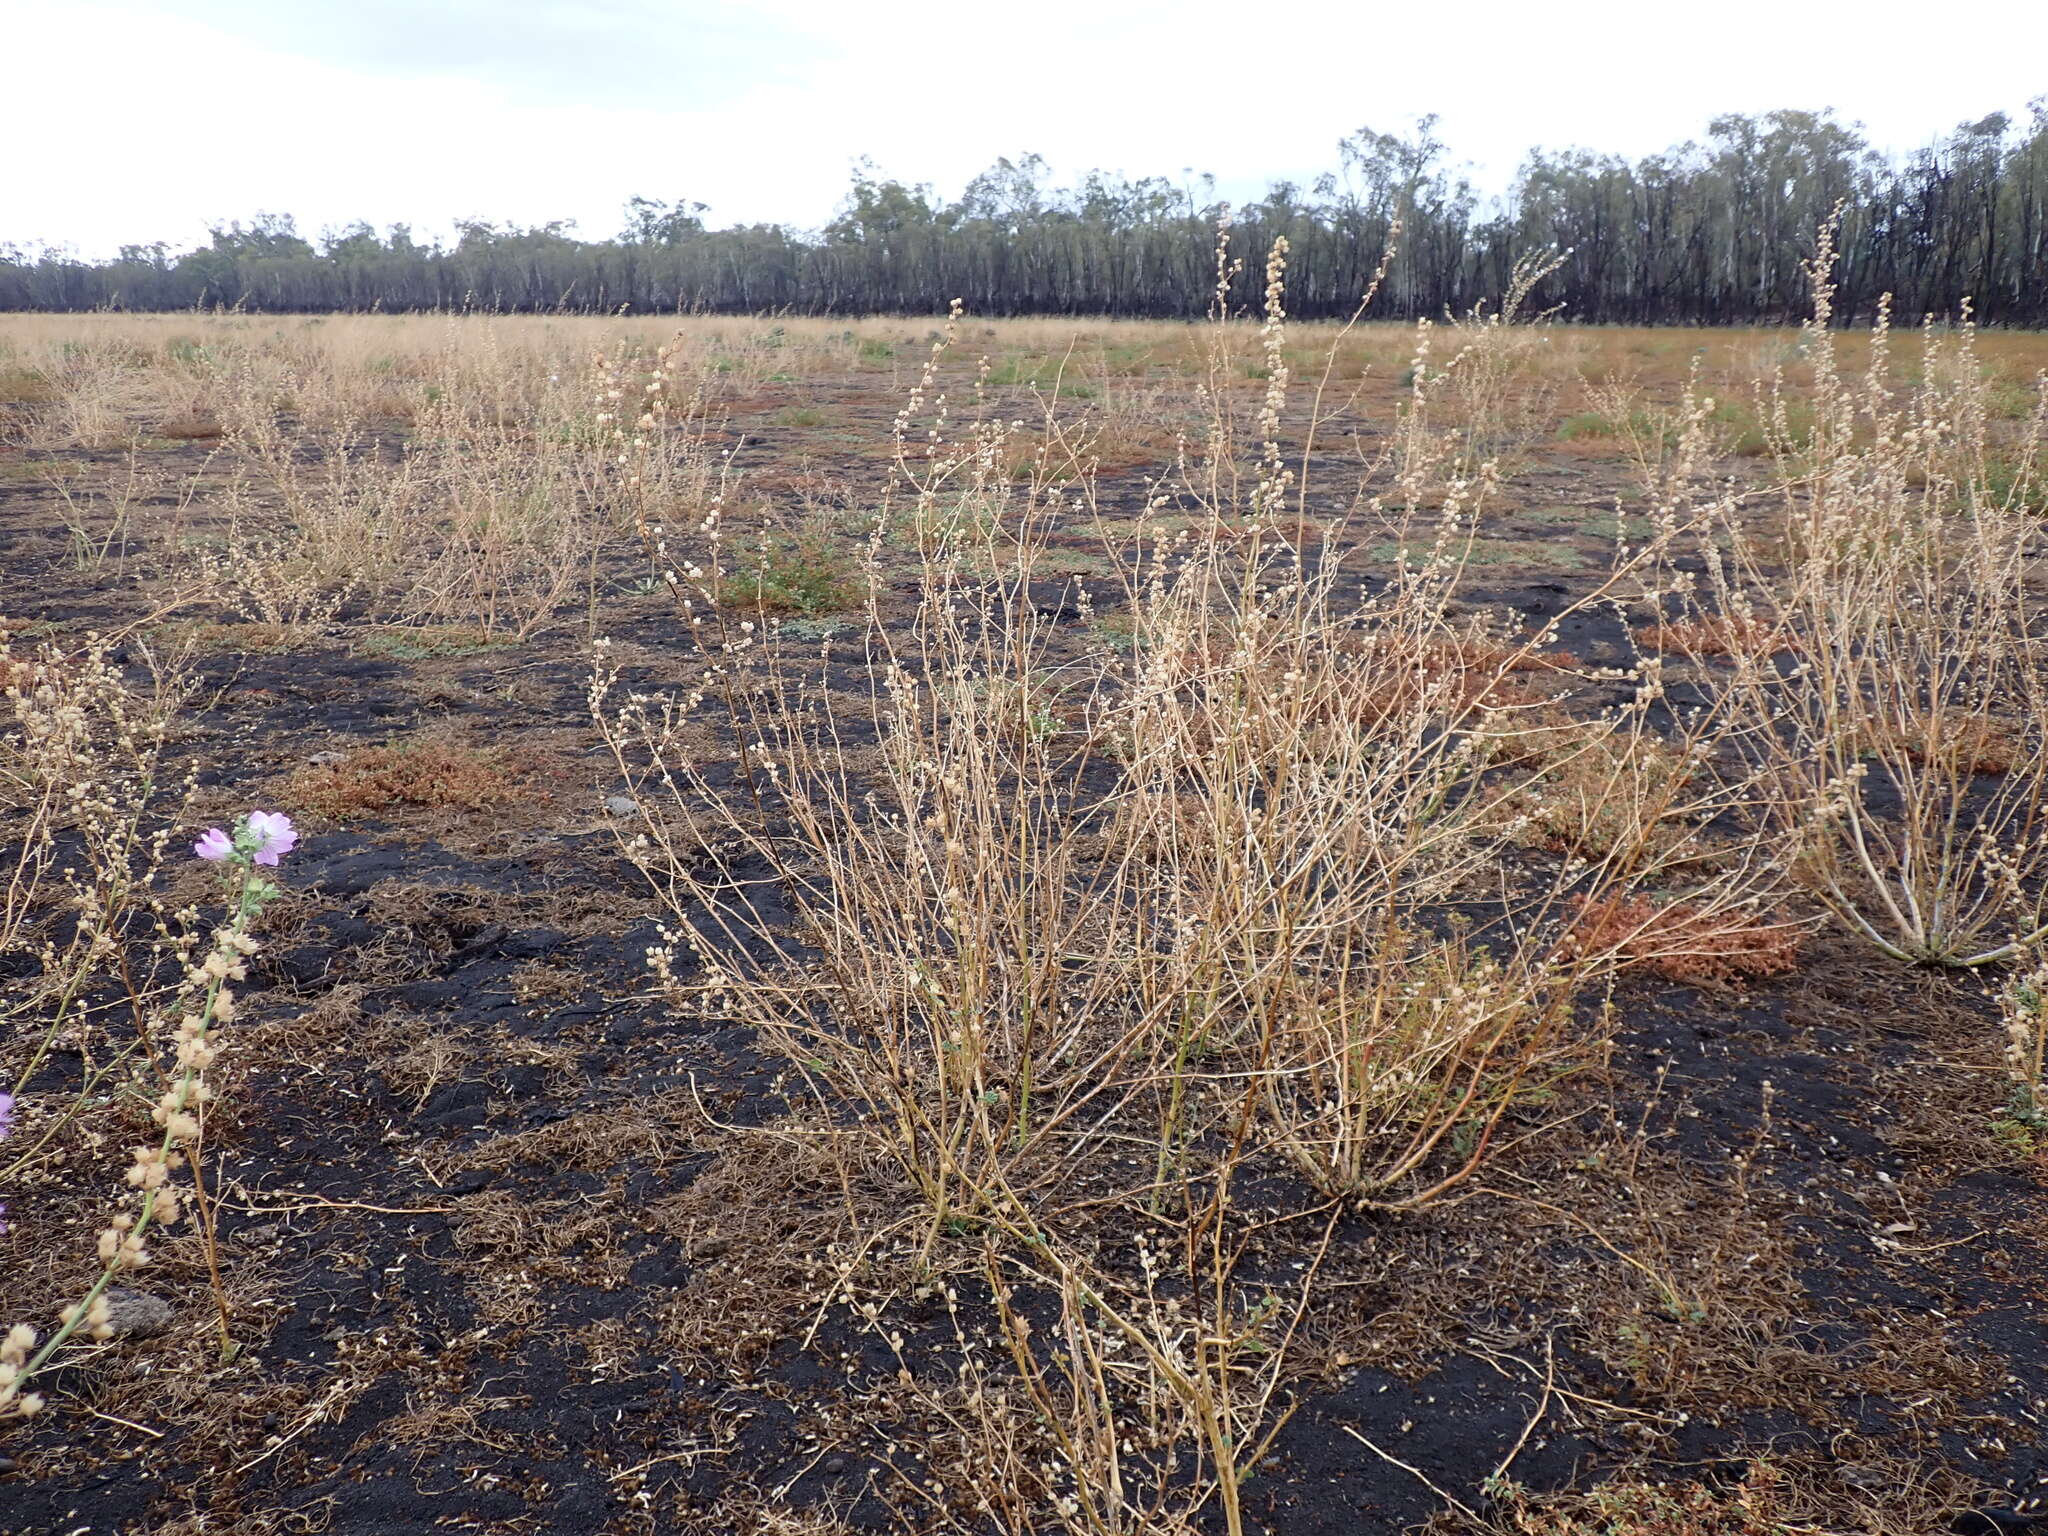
<point>493,513</point>
<point>1681,943</point>
<point>89,792</point>
<point>431,774</point>
<point>1890,638</point>
<point>105,972</point>
<point>1251,897</point>
<point>464,475</point>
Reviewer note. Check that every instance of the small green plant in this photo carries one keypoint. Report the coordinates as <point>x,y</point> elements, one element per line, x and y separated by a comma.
<point>802,573</point>
<point>426,642</point>
<point>1601,424</point>
<point>2015,485</point>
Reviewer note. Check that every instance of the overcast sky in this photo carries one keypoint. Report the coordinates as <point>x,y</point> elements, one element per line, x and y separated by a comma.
<point>150,120</point>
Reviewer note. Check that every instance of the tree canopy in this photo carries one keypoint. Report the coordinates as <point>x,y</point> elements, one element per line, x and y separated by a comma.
<point>1710,232</point>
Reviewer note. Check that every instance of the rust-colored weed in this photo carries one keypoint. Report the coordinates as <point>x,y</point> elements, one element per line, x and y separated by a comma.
<point>1682,943</point>
<point>191,427</point>
<point>427,774</point>
<point>1967,741</point>
<point>1717,634</point>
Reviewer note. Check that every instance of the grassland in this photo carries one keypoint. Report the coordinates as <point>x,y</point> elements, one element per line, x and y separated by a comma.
<point>1016,927</point>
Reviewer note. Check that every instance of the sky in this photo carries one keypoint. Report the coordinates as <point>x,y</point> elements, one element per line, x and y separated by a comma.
<point>155,119</point>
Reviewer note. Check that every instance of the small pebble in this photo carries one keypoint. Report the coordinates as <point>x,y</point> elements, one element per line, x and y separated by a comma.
<point>137,1314</point>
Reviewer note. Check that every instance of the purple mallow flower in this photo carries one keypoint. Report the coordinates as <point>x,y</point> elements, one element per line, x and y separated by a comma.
<point>273,834</point>
<point>264,836</point>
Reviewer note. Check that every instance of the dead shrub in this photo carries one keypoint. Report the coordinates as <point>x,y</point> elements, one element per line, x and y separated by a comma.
<point>1602,791</point>
<point>1627,1507</point>
<point>1682,943</point>
<point>1717,634</point>
<point>1401,674</point>
<point>191,427</point>
<point>1965,741</point>
<point>431,775</point>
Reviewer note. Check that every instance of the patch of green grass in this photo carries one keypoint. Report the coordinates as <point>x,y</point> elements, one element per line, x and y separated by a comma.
<point>2010,399</point>
<point>1034,370</point>
<point>1118,631</point>
<point>1598,425</point>
<point>1595,522</point>
<point>191,352</point>
<point>429,641</point>
<point>232,639</point>
<point>802,573</point>
<point>1129,527</point>
<point>1063,561</point>
<point>1746,432</point>
<point>1585,424</point>
<point>810,629</point>
<point>40,469</point>
<point>1127,358</point>
<point>799,416</point>
<point>1525,554</point>
<point>2011,483</point>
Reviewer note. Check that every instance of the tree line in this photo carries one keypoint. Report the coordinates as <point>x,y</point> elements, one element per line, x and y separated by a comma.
<point>1712,232</point>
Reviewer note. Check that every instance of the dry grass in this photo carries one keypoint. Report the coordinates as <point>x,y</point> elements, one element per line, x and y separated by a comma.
<point>1716,634</point>
<point>1908,581</point>
<point>1109,938</point>
<point>426,774</point>
<point>1680,943</point>
<point>1003,983</point>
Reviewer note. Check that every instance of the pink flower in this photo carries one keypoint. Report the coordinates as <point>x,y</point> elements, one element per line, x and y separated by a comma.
<point>214,845</point>
<point>273,834</point>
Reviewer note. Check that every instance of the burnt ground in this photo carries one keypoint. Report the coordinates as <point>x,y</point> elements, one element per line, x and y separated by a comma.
<point>514,1247</point>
